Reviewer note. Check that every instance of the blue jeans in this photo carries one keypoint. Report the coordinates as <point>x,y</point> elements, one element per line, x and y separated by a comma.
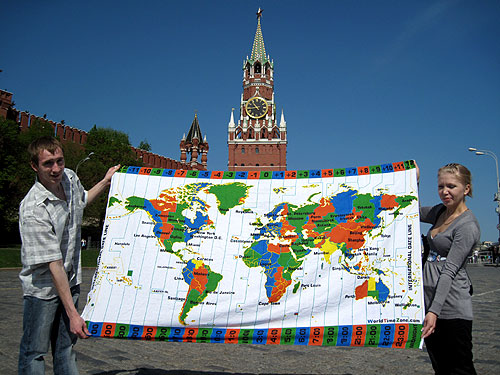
<point>45,323</point>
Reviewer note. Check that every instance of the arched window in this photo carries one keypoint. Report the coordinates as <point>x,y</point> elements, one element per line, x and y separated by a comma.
<point>250,133</point>
<point>276,133</point>
<point>267,69</point>
<point>257,164</point>
<point>263,133</point>
<point>243,150</point>
<point>257,68</point>
<point>238,134</point>
<point>256,150</point>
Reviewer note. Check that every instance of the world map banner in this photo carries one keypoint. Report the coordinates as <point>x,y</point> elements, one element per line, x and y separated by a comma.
<point>307,257</point>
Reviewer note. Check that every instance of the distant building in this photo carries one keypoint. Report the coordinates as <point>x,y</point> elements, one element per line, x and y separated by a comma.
<point>257,142</point>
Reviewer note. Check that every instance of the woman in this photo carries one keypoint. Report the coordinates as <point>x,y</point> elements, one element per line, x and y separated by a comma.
<point>455,231</point>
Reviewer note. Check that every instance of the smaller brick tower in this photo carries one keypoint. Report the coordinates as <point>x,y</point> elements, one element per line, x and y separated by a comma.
<point>257,142</point>
<point>6,106</point>
<point>196,146</point>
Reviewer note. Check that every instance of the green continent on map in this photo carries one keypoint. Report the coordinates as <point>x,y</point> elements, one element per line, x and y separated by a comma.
<point>403,202</point>
<point>229,195</point>
<point>288,233</point>
<point>133,203</point>
<point>112,201</point>
<point>202,281</point>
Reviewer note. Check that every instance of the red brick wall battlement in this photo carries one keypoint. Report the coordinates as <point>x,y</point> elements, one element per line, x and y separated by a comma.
<point>70,134</point>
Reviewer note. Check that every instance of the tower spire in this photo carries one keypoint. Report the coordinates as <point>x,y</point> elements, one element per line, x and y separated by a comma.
<point>258,49</point>
<point>194,131</point>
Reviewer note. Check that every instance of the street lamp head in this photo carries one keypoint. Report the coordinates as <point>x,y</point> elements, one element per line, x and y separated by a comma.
<point>479,153</point>
<point>472,149</point>
<point>83,161</point>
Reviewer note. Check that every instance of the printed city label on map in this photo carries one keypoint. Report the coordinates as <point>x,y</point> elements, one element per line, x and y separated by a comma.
<point>311,257</point>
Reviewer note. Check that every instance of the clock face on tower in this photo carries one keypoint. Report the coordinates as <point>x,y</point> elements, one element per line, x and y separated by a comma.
<point>256,107</point>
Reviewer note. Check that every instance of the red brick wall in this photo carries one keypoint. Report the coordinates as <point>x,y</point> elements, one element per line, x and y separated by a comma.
<point>69,134</point>
<point>268,154</point>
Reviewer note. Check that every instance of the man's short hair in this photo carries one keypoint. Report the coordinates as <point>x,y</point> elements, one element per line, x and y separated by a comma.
<point>49,143</point>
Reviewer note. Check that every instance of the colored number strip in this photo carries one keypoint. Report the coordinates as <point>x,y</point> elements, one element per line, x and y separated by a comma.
<point>276,175</point>
<point>376,335</point>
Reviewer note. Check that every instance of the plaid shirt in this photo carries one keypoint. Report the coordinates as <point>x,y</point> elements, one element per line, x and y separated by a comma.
<point>50,230</point>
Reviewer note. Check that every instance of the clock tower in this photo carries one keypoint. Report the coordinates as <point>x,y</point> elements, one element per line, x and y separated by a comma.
<point>256,141</point>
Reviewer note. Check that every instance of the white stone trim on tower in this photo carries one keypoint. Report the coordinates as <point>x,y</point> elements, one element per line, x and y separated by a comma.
<point>282,122</point>
<point>231,124</point>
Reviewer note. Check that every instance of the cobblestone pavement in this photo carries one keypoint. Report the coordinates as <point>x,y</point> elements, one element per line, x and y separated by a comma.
<point>111,356</point>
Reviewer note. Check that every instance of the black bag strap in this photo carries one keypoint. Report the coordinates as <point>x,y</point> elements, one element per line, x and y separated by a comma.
<point>425,242</point>
<point>427,248</point>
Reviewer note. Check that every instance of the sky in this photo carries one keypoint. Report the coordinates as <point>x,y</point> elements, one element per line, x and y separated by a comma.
<point>360,82</point>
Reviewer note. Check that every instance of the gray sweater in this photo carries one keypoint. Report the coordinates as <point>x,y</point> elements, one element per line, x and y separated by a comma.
<point>446,283</point>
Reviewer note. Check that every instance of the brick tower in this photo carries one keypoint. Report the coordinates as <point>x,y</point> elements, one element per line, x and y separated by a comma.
<point>257,142</point>
<point>196,145</point>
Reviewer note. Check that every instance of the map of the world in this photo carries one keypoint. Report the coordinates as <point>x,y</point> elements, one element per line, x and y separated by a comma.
<point>312,257</point>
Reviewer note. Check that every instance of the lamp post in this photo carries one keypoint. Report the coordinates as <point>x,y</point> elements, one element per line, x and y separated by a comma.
<point>496,197</point>
<point>83,161</point>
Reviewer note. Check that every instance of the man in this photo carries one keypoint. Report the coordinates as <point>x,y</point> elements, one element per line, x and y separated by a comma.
<point>50,217</point>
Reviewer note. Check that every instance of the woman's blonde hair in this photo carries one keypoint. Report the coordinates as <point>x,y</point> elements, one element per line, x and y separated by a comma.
<point>462,173</point>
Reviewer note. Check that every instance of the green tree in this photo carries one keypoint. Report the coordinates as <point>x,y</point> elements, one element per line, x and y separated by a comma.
<point>73,154</point>
<point>16,174</point>
<point>10,150</point>
<point>144,145</point>
<point>110,147</point>
<point>38,128</point>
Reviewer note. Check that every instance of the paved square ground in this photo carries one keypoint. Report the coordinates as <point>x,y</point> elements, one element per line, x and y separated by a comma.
<point>119,357</point>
